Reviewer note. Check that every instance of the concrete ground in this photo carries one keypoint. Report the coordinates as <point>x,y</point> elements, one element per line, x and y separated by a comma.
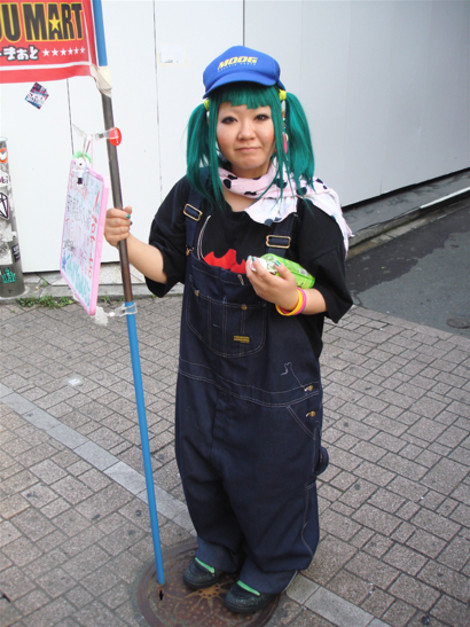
<point>74,526</point>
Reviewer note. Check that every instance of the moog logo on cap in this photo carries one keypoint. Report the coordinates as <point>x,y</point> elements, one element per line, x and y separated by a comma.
<point>234,60</point>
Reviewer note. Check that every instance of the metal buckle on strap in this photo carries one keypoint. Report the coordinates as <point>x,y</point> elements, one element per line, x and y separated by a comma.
<point>192,212</point>
<point>278,241</point>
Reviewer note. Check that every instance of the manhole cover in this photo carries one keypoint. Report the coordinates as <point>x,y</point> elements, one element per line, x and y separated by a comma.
<point>458,323</point>
<point>181,607</point>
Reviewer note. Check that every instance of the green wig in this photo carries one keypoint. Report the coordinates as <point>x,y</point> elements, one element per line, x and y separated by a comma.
<point>202,154</point>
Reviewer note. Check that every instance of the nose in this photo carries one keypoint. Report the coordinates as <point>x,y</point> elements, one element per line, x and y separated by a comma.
<point>246,129</point>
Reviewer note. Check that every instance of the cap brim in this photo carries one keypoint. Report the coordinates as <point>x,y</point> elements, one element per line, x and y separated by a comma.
<point>242,77</point>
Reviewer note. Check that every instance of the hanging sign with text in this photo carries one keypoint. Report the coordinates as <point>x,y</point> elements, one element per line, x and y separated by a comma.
<point>82,237</point>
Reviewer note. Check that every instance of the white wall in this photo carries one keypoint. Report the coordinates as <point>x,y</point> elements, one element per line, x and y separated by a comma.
<point>385,83</point>
<point>386,86</point>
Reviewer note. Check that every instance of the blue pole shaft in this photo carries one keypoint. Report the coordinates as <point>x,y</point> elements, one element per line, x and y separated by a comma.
<point>99,33</point>
<point>139,395</point>
<point>128,297</point>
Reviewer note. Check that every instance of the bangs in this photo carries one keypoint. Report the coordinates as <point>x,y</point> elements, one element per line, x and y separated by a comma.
<point>252,95</point>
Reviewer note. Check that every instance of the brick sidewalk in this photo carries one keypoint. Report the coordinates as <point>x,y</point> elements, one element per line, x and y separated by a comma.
<point>74,528</point>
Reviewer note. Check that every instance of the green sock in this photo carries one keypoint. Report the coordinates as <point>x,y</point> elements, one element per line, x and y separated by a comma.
<point>206,566</point>
<point>248,589</point>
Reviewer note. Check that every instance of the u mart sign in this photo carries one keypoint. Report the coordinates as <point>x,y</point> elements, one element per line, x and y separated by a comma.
<point>45,40</point>
<point>41,21</point>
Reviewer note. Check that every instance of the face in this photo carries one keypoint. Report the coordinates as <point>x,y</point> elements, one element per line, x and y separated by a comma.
<point>246,138</point>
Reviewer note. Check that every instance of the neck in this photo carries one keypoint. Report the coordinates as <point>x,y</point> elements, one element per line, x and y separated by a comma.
<point>237,202</point>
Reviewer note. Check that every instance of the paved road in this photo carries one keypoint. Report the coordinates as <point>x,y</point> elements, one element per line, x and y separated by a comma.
<point>422,276</point>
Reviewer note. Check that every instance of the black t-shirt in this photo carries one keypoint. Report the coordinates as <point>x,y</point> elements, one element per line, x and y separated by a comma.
<point>229,237</point>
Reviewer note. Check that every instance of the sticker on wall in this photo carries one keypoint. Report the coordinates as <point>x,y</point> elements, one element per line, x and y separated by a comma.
<point>4,206</point>
<point>7,275</point>
<point>15,251</point>
<point>37,96</point>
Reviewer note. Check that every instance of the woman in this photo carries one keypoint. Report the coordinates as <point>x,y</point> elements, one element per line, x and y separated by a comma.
<point>249,396</point>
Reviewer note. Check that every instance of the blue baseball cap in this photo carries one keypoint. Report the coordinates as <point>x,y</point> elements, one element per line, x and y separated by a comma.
<point>241,64</point>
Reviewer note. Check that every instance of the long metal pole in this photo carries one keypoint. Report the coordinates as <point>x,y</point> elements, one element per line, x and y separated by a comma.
<point>129,304</point>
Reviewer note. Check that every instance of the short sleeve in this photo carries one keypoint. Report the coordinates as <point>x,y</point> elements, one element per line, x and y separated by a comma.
<point>167,233</point>
<point>321,251</point>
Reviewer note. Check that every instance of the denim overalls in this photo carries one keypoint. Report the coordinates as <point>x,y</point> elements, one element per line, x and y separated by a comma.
<point>248,427</point>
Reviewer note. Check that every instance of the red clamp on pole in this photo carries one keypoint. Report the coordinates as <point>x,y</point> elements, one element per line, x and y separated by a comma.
<point>114,136</point>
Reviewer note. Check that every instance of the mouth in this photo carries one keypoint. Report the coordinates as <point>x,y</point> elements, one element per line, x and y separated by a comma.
<point>247,148</point>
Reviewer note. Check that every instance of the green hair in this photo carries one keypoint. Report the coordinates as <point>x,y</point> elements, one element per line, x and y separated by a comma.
<point>201,151</point>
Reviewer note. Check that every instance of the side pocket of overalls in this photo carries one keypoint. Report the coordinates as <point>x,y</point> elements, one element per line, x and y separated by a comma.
<point>312,424</point>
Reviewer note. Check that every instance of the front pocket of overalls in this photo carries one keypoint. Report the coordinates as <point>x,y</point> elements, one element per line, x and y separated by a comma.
<point>229,329</point>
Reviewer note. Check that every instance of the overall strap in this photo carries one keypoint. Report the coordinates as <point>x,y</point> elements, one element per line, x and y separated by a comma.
<point>279,240</point>
<point>193,215</point>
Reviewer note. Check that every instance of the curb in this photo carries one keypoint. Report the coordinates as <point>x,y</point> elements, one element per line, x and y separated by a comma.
<point>428,211</point>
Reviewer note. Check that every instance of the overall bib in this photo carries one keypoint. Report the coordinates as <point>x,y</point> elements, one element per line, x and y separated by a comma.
<point>248,429</point>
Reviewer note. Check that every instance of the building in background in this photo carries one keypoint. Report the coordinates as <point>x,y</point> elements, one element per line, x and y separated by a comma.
<point>386,87</point>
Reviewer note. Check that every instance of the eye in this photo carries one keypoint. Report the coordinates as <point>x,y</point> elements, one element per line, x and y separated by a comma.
<point>228,119</point>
